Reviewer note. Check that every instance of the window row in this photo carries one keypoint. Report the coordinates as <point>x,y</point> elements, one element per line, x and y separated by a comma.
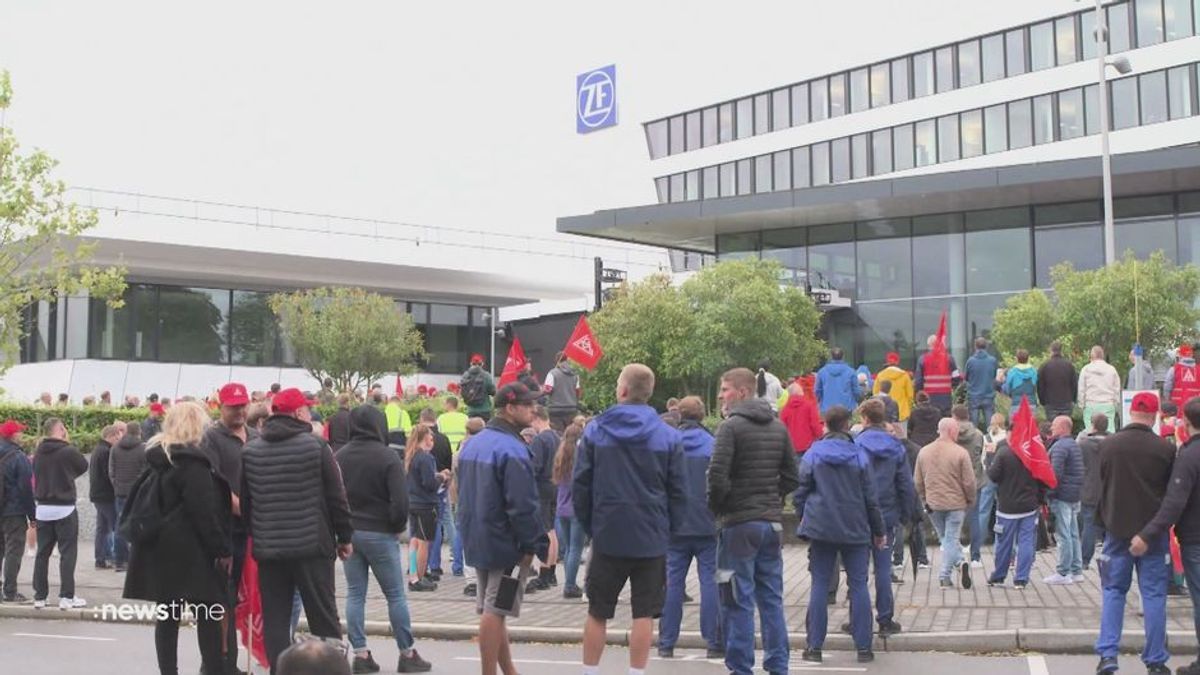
<point>217,326</point>
<point>1136,100</point>
<point>1046,44</point>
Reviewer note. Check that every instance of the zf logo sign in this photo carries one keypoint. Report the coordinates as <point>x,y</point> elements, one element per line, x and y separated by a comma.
<point>596,99</point>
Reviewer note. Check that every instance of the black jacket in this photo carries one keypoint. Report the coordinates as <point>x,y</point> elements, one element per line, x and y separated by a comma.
<point>338,425</point>
<point>1017,491</point>
<point>181,563</point>
<point>1181,506</point>
<point>125,463</point>
<point>423,482</point>
<point>225,452</point>
<point>17,475</point>
<point>753,467</point>
<point>543,448</point>
<point>100,487</point>
<point>1135,467</point>
<point>923,423</point>
<point>1057,383</point>
<point>373,475</point>
<point>56,465</point>
<point>151,426</point>
<point>292,495</point>
<point>441,451</point>
<point>1090,445</point>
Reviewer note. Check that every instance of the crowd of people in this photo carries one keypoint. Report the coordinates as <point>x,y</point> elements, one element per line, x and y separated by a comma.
<point>522,480</point>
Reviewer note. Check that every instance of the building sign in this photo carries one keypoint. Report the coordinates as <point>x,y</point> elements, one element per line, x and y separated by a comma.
<point>596,99</point>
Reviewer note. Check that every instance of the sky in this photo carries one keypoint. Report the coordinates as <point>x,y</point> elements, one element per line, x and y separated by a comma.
<point>449,114</point>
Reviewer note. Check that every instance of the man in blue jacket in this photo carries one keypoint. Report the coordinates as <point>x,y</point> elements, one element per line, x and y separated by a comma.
<point>839,515</point>
<point>17,509</point>
<point>980,373</point>
<point>629,495</point>
<point>1067,461</point>
<point>837,383</point>
<point>498,518</point>
<point>696,538</point>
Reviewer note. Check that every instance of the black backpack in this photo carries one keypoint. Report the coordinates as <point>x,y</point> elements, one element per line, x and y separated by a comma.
<point>474,388</point>
<point>143,519</point>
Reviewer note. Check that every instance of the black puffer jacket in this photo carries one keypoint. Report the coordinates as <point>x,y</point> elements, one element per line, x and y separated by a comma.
<point>125,464</point>
<point>753,466</point>
<point>292,494</point>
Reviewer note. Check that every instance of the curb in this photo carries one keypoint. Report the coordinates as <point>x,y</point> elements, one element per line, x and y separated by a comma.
<point>1040,640</point>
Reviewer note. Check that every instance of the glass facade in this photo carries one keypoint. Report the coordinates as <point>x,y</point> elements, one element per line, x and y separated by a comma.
<point>902,273</point>
<point>1044,44</point>
<point>216,326</point>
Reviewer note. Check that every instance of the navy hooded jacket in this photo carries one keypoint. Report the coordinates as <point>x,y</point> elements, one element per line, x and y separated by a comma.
<point>836,500</point>
<point>17,474</point>
<point>497,499</point>
<point>629,487</point>
<point>890,474</point>
<point>698,520</point>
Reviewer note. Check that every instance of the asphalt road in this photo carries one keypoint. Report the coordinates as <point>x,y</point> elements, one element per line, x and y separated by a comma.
<point>104,649</point>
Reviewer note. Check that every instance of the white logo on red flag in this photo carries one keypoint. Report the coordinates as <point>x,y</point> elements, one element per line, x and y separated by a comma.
<point>584,344</point>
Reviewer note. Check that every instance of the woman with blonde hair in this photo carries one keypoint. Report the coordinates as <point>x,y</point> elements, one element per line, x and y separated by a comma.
<point>189,559</point>
<point>570,532</point>
<point>423,484</point>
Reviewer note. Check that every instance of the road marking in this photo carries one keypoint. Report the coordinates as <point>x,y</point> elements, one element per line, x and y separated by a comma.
<point>65,637</point>
<point>575,662</point>
<point>1037,666</point>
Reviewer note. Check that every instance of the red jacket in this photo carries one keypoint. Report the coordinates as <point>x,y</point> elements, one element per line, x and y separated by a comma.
<point>802,420</point>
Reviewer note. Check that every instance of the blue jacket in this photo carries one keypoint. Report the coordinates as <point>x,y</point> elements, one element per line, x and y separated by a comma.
<point>1066,458</point>
<point>837,384</point>
<point>1021,381</point>
<point>630,486</point>
<point>836,500</point>
<point>497,499</point>
<point>981,376</point>
<point>18,481</point>
<point>890,474</point>
<point>423,482</point>
<point>698,519</point>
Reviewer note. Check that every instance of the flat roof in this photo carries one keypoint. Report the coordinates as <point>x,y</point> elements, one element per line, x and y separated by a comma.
<point>694,225</point>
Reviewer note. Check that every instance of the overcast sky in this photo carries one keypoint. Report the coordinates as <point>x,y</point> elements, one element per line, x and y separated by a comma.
<point>445,113</point>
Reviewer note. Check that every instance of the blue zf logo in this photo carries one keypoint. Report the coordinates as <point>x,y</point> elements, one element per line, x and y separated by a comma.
<point>596,99</point>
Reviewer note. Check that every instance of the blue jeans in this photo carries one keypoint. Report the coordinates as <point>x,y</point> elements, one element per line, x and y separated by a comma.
<point>1089,533</point>
<point>1066,531</point>
<point>120,546</point>
<point>380,553</point>
<point>822,558</point>
<point>1190,555</point>
<point>974,521</point>
<point>750,559</point>
<point>106,524</point>
<point>1018,532</point>
<point>679,559</point>
<point>571,540</point>
<point>948,525</point>
<point>983,512</point>
<point>297,605</point>
<point>884,602</point>
<point>1116,574</point>
<point>456,547</point>
<point>446,526</point>
<point>981,407</point>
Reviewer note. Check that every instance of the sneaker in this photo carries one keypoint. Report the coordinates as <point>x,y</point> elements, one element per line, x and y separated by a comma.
<point>1020,585</point>
<point>39,604</point>
<point>1176,590</point>
<point>1192,668</point>
<point>457,573</point>
<point>470,590</point>
<point>436,571</point>
<point>364,665</point>
<point>715,653</point>
<point>992,583</point>
<point>434,575</point>
<point>1057,580</point>
<point>572,592</point>
<point>889,628</point>
<point>976,564</point>
<point>413,663</point>
<point>536,584</point>
<point>965,570</point>
<point>120,567</point>
<point>16,599</point>
<point>811,655</point>
<point>1078,578</point>
<point>1158,669</point>
<point>422,586</point>
<point>666,652</point>
<point>551,577</point>
<point>1107,664</point>
<point>71,603</point>
<point>102,565</point>
<point>945,584</point>
<point>924,565</point>
<point>897,578</point>
<point>866,656</point>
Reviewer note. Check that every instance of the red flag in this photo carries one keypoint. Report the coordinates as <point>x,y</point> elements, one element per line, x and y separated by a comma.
<point>248,614</point>
<point>1027,444</point>
<point>938,362</point>
<point>514,363</point>
<point>582,346</point>
<point>399,386</point>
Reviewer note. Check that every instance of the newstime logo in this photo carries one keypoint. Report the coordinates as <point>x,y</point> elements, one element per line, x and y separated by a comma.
<point>175,611</point>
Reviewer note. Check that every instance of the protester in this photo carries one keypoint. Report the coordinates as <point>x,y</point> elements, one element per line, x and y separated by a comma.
<point>399,423</point>
<point>56,465</point>
<point>326,396</point>
<point>767,385</point>
<point>562,385</point>
<point>542,449</point>
<point>571,537</point>
<point>839,516</point>
<point>1141,373</point>
<point>17,510</point>
<point>1099,387</point>
<point>923,423</point>
<point>153,424</point>
<point>294,504</point>
<point>338,424</point>
<point>696,538</point>
<point>802,420</point>
<point>891,409</point>
<point>1067,461</point>
<point>312,657</point>
<point>997,430</point>
<point>498,519</point>
<point>477,387</point>
<point>190,559</point>
<point>377,492</point>
<point>901,387</point>
<point>630,496</point>
<point>126,462</point>
<point>424,482</point>
<point>937,380</point>
<point>971,439</point>
<point>1019,497</point>
<point>980,374</point>
<point>443,454</point>
<point>945,484</point>
<point>1135,470</point>
<point>836,383</point>
<point>100,494</point>
<point>452,423</point>
<point>1089,446</point>
<point>474,426</point>
<point>672,417</point>
<point>1021,381</point>
<point>1057,383</point>
<point>916,526</point>
<point>1183,379</point>
<point>753,469</point>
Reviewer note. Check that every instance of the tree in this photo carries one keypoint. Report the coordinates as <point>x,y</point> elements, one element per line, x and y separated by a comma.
<point>1147,301</point>
<point>348,335</point>
<point>42,255</point>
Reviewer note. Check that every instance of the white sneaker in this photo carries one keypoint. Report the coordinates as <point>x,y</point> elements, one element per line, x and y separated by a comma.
<point>977,564</point>
<point>1057,580</point>
<point>71,603</point>
<point>1077,578</point>
<point>39,604</point>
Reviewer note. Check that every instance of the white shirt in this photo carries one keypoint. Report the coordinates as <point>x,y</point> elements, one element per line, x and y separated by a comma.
<point>50,512</point>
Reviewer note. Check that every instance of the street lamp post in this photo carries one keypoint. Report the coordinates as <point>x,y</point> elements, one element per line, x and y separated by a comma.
<point>1121,64</point>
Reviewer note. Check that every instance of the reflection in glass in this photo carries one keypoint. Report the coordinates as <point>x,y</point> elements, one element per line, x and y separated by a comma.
<point>1178,18</point>
<point>926,316</point>
<point>859,156</point>
<point>1144,236</point>
<point>711,183</point>
<point>693,130</point>
<point>1015,52</point>
<point>947,141</point>
<point>1070,114</point>
<point>787,247</point>
<point>728,179</point>
<point>1120,37</point>
<point>800,104</point>
<point>725,122</point>
<point>762,173</point>
<point>1064,39</point>
<point>762,114</point>
<point>922,74</point>
<point>1043,119</point>
<point>109,330</point>
<point>995,128</point>
<point>737,246</point>
<point>881,152</point>
<point>944,61</point>
<point>837,95</point>
<point>981,310</point>
<point>1041,46</point>
<point>781,109</point>
<point>900,81</point>
<point>998,253</point>
<point>1067,232</point>
<point>832,263</point>
<point>193,325</point>
<point>709,127</point>
<point>663,189</point>
<point>1091,106</point>
<point>972,133</point>
<point>256,334</point>
<point>884,269</point>
<point>820,164</point>
<point>1087,34</point>
<point>783,170</point>
<point>926,145</point>
<point>677,191</point>
<point>800,169</point>
<point>904,149</point>
<point>968,63</point>
<point>691,185</point>
<point>656,138</point>
<point>860,90</point>
<point>840,151</point>
<point>938,255</point>
<point>1020,124</point>
<point>1124,103</point>
<point>745,118</point>
<point>745,181</point>
<point>886,327</point>
<point>819,99</point>
<point>446,337</point>
<point>1179,83</point>
<point>993,57</point>
<point>1149,22</point>
<point>880,85</point>
<point>1154,97</point>
<point>677,135</point>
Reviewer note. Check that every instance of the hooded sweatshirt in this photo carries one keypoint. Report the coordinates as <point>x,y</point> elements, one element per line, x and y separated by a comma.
<point>1099,384</point>
<point>753,466</point>
<point>837,384</point>
<point>629,488</point>
<point>18,484</point>
<point>1021,380</point>
<point>836,500</point>
<point>56,465</point>
<point>891,477</point>
<point>902,388</point>
<point>972,439</point>
<point>803,422</point>
<point>373,475</point>
<point>698,520</point>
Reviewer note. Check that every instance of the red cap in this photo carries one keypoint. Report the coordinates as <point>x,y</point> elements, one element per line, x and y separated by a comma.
<point>156,408</point>
<point>476,358</point>
<point>422,389</point>
<point>433,391</point>
<point>289,401</point>
<point>1185,351</point>
<point>1144,402</point>
<point>892,358</point>
<point>233,394</point>
<point>11,428</point>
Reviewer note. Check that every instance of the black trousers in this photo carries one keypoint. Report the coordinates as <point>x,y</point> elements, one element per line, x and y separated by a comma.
<point>12,542</point>
<point>166,644</point>
<point>63,533</point>
<point>561,419</point>
<point>278,581</point>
